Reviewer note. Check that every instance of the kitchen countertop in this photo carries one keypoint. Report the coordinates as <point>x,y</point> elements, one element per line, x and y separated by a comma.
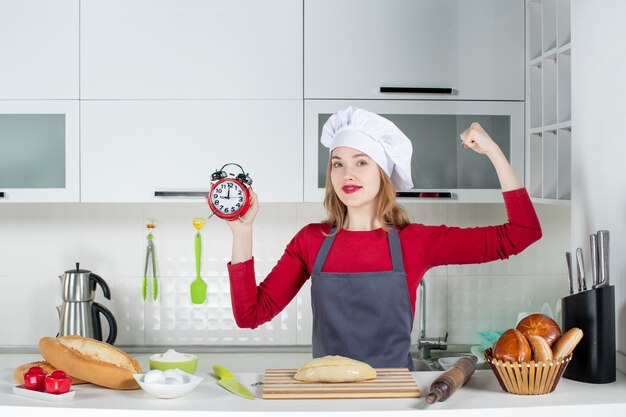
<point>481,396</point>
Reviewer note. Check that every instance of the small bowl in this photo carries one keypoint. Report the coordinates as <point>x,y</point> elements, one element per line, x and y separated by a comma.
<point>528,378</point>
<point>189,366</point>
<point>190,382</point>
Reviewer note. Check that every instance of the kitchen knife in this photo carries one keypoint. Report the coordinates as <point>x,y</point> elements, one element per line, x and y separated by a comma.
<point>228,381</point>
<point>570,280</point>
<point>580,270</point>
<point>603,258</point>
<point>593,246</point>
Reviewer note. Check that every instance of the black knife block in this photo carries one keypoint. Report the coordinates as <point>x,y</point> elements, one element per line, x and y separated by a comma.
<point>593,312</point>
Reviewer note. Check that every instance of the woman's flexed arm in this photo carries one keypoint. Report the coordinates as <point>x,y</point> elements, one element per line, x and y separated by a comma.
<point>478,140</point>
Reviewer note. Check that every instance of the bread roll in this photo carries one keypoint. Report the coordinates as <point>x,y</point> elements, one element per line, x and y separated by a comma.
<point>18,374</point>
<point>334,369</point>
<point>512,346</point>
<point>540,348</point>
<point>91,360</point>
<point>540,325</point>
<point>566,344</point>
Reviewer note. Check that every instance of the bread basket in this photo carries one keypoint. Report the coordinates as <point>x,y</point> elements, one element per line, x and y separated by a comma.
<point>528,378</point>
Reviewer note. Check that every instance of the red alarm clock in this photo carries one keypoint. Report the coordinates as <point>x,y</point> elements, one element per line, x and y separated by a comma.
<point>229,198</point>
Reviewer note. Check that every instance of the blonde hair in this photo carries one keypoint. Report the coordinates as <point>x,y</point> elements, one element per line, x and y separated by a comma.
<point>388,211</point>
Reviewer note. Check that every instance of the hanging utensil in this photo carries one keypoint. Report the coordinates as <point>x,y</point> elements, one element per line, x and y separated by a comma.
<point>198,286</point>
<point>150,259</point>
<point>570,279</point>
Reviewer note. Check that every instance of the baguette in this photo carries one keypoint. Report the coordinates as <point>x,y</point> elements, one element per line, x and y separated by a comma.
<point>18,374</point>
<point>566,343</point>
<point>91,360</point>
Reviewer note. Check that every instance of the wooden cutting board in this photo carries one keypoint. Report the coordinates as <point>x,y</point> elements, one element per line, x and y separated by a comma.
<point>389,383</point>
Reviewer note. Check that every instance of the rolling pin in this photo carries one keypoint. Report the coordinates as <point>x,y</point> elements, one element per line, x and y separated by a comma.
<point>451,380</point>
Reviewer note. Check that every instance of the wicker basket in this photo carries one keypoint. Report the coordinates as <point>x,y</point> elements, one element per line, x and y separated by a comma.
<point>528,378</point>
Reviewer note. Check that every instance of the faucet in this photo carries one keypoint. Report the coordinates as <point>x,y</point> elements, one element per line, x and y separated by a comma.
<point>426,344</point>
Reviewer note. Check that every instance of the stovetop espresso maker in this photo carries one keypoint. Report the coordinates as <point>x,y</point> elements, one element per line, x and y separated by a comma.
<point>80,314</point>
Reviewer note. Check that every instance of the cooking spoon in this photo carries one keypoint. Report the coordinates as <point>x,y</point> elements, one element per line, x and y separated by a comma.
<point>198,287</point>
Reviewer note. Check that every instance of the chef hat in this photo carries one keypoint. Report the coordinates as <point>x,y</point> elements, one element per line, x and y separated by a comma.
<point>379,138</point>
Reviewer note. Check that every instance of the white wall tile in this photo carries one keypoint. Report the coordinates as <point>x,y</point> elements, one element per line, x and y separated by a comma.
<point>40,241</point>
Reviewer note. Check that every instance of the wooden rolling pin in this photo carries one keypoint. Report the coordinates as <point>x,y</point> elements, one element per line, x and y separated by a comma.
<point>451,380</point>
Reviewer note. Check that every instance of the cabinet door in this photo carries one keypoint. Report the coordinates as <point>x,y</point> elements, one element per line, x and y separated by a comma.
<point>131,149</point>
<point>200,49</point>
<point>39,49</point>
<point>39,151</point>
<point>354,47</point>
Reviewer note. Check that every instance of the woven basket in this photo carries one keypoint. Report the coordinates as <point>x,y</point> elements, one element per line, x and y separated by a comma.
<point>528,378</point>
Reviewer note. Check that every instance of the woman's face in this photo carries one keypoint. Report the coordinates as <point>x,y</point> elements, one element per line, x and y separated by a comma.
<point>355,177</point>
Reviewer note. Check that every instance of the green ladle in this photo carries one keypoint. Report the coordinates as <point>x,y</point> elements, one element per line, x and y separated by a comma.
<point>198,287</point>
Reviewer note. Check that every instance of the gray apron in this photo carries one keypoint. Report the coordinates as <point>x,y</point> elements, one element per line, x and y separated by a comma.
<point>366,316</point>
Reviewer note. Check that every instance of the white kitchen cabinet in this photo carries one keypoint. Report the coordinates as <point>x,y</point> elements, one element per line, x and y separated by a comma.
<point>441,169</point>
<point>352,48</point>
<point>39,151</point>
<point>193,49</point>
<point>548,102</point>
<point>39,49</point>
<point>131,149</point>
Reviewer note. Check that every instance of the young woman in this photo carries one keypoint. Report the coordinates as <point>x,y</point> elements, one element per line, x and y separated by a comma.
<point>366,260</point>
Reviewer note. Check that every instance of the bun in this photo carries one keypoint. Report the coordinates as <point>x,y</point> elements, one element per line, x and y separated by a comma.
<point>18,374</point>
<point>91,360</point>
<point>566,344</point>
<point>512,346</point>
<point>540,325</point>
<point>540,348</point>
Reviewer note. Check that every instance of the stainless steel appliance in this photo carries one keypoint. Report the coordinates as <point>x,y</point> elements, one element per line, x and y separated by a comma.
<point>80,314</point>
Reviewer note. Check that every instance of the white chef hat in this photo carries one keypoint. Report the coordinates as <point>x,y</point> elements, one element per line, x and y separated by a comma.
<point>378,137</point>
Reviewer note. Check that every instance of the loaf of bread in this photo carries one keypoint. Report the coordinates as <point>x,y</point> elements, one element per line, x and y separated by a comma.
<point>18,374</point>
<point>512,346</point>
<point>541,351</point>
<point>91,360</point>
<point>540,325</point>
<point>334,369</point>
<point>566,344</point>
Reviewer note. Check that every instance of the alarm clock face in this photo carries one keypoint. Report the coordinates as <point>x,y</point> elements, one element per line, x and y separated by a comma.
<point>228,197</point>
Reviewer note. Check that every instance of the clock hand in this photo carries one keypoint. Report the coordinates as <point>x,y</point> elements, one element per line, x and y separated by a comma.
<point>228,194</point>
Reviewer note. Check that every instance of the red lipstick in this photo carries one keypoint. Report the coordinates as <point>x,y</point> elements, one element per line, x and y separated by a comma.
<point>349,189</point>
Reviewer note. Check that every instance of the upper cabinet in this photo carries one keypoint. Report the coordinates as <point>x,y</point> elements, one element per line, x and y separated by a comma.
<point>193,49</point>
<point>137,150</point>
<point>465,49</point>
<point>39,150</point>
<point>39,49</point>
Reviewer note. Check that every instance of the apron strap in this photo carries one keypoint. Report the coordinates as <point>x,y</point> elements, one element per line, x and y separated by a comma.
<point>395,250</point>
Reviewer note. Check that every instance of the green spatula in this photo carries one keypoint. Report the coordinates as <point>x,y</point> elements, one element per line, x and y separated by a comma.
<point>198,287</point>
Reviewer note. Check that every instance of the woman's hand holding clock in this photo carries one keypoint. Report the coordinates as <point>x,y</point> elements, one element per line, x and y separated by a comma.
<point>244,223</point>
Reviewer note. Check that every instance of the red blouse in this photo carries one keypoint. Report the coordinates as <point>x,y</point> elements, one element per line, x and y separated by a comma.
<point>423,247</point>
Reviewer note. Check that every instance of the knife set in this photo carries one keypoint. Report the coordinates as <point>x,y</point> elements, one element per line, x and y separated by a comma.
<point>592,309</point>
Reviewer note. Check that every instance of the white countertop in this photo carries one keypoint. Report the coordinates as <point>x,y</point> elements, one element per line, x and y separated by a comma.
<point>481,396</point>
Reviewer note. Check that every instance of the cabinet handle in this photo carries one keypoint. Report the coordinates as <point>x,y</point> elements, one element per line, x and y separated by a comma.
<point>1,194</point>
<point>423,194</point>
<point>417,90</point>
<point>181,194</point>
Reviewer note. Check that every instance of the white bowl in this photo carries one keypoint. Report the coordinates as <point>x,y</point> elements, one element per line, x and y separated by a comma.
<point>170,390</point>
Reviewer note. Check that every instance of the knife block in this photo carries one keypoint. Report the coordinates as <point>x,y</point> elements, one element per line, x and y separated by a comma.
<point>593,312</point>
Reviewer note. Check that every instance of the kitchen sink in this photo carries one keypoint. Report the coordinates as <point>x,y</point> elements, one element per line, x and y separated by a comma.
<point>432,363</point>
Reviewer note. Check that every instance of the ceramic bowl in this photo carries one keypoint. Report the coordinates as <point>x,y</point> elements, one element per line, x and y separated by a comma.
<point>189,366</point>
<point>190,382</point>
